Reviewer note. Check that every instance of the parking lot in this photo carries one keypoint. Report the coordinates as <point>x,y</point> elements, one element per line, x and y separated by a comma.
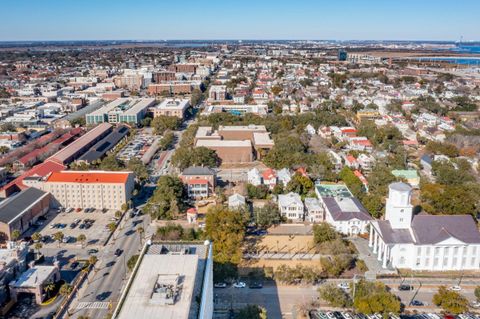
<point>92,224</point>
<point>138,146</point>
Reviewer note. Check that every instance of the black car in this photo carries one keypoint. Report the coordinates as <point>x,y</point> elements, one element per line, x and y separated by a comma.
<point>404,287</point>
<point>118,252</point>
<point>255,285</point>
<point>416,303</point>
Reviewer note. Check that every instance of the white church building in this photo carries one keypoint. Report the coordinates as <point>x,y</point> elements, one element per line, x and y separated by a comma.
<point>423,242</point>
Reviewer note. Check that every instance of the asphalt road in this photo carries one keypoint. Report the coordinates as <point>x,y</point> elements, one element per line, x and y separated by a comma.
<point>104,289</point>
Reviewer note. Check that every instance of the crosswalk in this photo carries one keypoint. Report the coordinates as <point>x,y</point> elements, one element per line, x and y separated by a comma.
<point>93,305</point>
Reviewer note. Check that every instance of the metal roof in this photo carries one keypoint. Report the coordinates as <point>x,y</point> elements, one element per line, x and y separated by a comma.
<point>15,206</point>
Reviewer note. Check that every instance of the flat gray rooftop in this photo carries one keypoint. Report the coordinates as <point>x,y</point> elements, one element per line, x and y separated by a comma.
<point>164,266</point>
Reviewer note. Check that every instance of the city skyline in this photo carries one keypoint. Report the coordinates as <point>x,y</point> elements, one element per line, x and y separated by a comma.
<point>215,20</point>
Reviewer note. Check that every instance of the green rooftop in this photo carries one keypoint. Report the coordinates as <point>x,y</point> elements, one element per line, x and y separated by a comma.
<point>405,173</point>
<point>332,190</point>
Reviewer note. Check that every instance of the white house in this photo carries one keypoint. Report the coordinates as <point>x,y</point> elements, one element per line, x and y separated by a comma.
<point>291,206</point>
<point>236,201</point>
<point>284,176</point>
<point>254,177</point>
<point>310,130</point>
<point>423,242</point>
<point>314,211</point>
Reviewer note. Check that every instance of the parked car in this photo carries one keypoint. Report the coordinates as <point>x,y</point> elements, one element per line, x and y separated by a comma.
<point>239,284</point>
<point>455,288</point>
<point>92,251</point>
<point>255,285</point>
<point>343,285</point>
<point>405,287</point>
<point>417,303</point>
<point>118,252</point>
<point>220,285</point>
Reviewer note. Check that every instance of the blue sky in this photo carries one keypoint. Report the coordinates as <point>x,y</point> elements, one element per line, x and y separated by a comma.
<point>247,19</point>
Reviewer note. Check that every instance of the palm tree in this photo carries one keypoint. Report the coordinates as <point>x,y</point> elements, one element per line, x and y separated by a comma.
<point>15,235</point>
<point>92,261</point>
<point>85,270</point>
<point>111,227</point>
<point>82,238</point>
<point>36,236</point>
<point>66,290</point>
<point>48,288</point>
<point>37,247</point>
<point>140,232</point>
<point>58,236</point>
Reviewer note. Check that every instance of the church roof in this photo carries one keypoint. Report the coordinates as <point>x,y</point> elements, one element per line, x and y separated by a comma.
<point>394,236</point>
<point>432,229</point>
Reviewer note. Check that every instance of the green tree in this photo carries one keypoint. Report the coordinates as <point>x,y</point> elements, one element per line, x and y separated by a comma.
<point>334,296</point>
<point>132,261</point>
<point>166,200</point>
<point>37,247</point>
<point>4,149</point>
<point>167,140</point>
<point>267,215</point>
<point>140,232</point>
<point>477,293</point>
<point>336,265</point>
<point>92,260</point>
<point>197,156</point>
<point>58,236</point>
<point>324,232</point>
<point>196,97</point>
<point>450,301</point>
<point>66,289</point>
<point>226,228</point>
<point>111,163</point>
<point>138,167</point>
<point>36,236</point>
<point>257,192</point>
<point>162,123</point>
<point>82,238</point>
<point>373,297</point>
<point>16,235</point>
<point>353,182</point>
<point>252,312</point>
<point>49,288</point>
<point>300,184</point>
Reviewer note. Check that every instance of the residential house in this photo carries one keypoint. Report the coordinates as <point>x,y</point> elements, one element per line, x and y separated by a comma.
<point>291,206</point>
<point>200,181</point>
<point>314,211</point>
<point>236,201</point>
<point>269,178</point>
<point>254,177</point>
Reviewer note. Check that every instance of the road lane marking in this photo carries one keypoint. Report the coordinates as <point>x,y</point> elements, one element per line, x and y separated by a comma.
<point>93,305</point>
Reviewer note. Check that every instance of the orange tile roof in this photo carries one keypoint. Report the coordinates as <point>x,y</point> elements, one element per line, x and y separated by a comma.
<point>92,177</point>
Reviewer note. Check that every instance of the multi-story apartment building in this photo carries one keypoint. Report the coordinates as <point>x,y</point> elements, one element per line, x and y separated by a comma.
<point>95,189</point>
<point>123,110</point>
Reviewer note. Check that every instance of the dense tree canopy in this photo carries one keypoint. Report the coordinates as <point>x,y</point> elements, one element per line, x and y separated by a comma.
<point>162,123</point>
<point>373,297</point>
<point>450,301</point>
<point>166,201</point>
<point>197,156</point>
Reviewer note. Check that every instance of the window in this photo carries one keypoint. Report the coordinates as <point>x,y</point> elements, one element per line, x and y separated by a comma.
<point>455,251</point>
<point>474,250</point>
<point>435,262</point>
<point>445,262</point>
<point>472,261</point>
<point>427,262</point>
<point>402,260</point>
<point>419,251</point>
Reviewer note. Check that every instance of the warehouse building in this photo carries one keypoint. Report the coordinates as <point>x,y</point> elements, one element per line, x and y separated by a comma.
<point>21,210</point>
<point>81,145</point>
<point>108,143</point>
